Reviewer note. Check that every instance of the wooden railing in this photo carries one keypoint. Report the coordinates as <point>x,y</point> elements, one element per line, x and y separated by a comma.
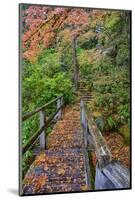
<point>93,137</point>
<point>109,174</point>
<point>41,132</point>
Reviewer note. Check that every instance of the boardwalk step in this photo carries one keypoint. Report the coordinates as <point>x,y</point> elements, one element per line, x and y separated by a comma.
<point>63,168</point>
<point>57,188</point>
<point>66,188</point>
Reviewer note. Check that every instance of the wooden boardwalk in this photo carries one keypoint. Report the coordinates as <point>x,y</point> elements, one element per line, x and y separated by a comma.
<point>63,166</point>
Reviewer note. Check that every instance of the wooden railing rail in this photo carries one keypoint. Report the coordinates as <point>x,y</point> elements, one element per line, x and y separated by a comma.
<point>28,115</point>
<point>41,132</point>
<point>93,137</point>
<point>109,174</point>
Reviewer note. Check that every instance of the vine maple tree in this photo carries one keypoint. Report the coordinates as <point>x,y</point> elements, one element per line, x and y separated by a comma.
<point>41,26</point>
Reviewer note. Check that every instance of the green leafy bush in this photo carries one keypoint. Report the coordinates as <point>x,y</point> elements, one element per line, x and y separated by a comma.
<point>41,82</point>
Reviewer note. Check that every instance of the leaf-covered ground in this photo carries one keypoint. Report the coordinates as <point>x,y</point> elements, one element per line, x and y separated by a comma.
<point>118,149</point>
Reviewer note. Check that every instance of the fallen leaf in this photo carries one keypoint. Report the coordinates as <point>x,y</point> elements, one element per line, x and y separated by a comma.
<point>61,171</point>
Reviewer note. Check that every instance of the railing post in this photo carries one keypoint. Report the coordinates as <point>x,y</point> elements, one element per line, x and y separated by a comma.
<point>84,123</point>
<point>59,104</point>
<point>42,137</point>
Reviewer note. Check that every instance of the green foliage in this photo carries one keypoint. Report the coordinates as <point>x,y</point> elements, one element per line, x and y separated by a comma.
<point>89,44</point>
<point>26,161</point>
<point>106,73</point>
<point>113,22</point>
<point>111,123</point>
<point>112,97</point>
<point>85,67</point>
<point>109,75</point>
<point>42,82</point>
<point>100,123</point>
<point>123,56</point>
<point>124,131</point>
<point>29,127</point>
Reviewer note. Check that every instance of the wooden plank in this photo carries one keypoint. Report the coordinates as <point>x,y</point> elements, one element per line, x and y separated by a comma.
<point>87,168</point>
<point>42,136</point>
<point>113,176</point>
<point>83,117</point>
<point>84,123</point>
<point>118,174</point>
<point>59,104</point>
<point>101,181</point>
<point>102,151</point>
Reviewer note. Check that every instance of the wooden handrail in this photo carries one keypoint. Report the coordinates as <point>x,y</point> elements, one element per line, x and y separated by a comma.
<point>32,139</point>
<point>43,123</point>
<point>109,173</point>
<point>27,116</point>
<point>41,132</point>
<point>90,128</point>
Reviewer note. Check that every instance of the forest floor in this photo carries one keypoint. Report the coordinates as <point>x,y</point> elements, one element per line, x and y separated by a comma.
<point>118,149</point>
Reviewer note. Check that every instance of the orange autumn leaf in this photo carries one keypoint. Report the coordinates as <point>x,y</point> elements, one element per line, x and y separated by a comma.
<point>40,159</point>
<point>84,187</point>
<point>61,171</point>
<point>40,181</point>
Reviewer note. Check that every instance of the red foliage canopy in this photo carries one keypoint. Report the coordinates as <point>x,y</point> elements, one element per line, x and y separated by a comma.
<point>42,24</point>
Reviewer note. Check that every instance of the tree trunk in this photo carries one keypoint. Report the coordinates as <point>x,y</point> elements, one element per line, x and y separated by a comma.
<point>75,63</point>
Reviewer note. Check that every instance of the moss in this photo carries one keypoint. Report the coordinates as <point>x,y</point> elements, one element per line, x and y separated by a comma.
<point>97,114</point>
<point>125,132</point>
